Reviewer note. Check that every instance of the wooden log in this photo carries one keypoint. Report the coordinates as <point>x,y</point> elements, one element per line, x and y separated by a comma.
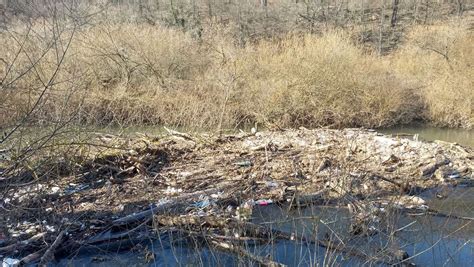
<point>168,206</point>
<point>49,254</point>
<point>250,229</point>
<point>22,244</point>
<point>176,133</point>
<point>159,208</point>
<point>181,221</point>
<point>431,168</point>
<point>107,236</point>
<point>437,213</point>
<point>241,239</point>
<point>33,257</point>
<point>240,251</point>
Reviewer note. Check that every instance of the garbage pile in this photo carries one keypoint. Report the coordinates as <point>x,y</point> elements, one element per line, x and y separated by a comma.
<point>207,186</point>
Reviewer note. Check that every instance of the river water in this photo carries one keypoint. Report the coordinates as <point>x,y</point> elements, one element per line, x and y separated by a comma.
<point>428,133</point>
<point>428,240</point>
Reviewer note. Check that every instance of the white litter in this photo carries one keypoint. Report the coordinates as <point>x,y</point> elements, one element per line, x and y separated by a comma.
<point>9,262</point>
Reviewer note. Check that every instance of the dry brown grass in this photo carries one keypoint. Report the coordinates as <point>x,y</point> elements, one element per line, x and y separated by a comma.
<point>141,74</point>
<point>135,70</point>
<point>327,80</point>
<point>441,58</point>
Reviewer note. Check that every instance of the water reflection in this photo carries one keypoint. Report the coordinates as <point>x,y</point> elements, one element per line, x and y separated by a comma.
<point>428,133</point>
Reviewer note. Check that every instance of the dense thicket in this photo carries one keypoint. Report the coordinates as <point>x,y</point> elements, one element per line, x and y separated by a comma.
<point>222,64</point>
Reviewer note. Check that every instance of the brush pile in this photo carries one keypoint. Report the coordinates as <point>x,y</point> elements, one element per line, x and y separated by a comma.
<point>206,186</point>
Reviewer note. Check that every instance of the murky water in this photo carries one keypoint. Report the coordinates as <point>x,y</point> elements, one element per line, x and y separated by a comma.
<point>427,133</point>
<point>460,136</point>
<point>428,240</point>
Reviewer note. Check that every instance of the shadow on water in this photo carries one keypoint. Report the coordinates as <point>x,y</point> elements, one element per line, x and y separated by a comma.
<point>429,240</point>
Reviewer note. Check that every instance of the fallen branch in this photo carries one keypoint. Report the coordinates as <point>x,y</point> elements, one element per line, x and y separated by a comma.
<point>244,253</point>
<point>167,206</point>
<point>21,244</point>
<point>431,168</point>
<point>437,213</point>
<point>312,199</point>
<point>242,239</point>
<point>393,258</point>
<point>33,257</point>
<point>250,229</point>
<point>176,133</point>
<point>100,237</point>
<point>49,254</point>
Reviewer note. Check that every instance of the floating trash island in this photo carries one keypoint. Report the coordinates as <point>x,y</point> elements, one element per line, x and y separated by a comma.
<point>344,195</point>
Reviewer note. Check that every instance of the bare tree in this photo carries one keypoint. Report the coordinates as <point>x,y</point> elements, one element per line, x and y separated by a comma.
<point>393,20</point>
<point>381,27</point>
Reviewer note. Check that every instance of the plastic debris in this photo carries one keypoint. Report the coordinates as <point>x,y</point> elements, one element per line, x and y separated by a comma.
<point>264,202</point>
<point>50,228</point>
<point>454,176</point>
<point>201,204</point>
<point>217,195</point>
<point>173,191</point>
<point>272,184</point>
<point>55,190</point>
<point>10,262</point>
<point>73,188</point>
<point>409,202</point>
<point>244,163</point>
<point>244,211</point>
<point>201,213</point>
<point>229,208</point>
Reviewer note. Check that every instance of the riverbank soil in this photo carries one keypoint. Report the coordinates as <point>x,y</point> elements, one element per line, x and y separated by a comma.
<point>206,187</point>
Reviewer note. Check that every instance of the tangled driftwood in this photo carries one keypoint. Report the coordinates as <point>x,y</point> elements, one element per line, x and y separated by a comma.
<point>184,181</point>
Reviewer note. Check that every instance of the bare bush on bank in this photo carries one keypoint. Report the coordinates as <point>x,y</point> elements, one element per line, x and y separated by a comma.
<point>38,85</point>
<point>126,70</point>
<point>440,59</point>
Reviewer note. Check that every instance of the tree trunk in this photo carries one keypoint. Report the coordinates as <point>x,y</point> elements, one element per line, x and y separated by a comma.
<point>382,17</point>
<point>393,21</point>
<point>209,8</point>
<point>460,5</point>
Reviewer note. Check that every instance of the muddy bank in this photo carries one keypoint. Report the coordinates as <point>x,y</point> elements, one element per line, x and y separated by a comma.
<point>207,188</point>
